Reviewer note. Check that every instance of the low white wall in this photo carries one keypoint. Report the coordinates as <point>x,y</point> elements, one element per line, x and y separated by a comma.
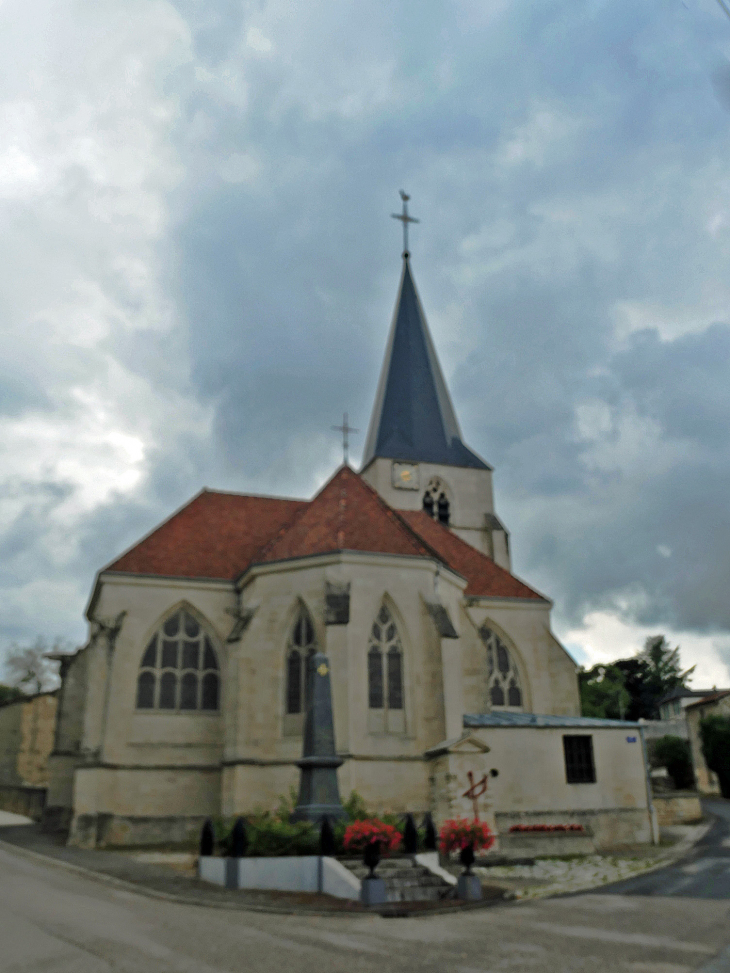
<point>307,873</point>
<point>430,860</point>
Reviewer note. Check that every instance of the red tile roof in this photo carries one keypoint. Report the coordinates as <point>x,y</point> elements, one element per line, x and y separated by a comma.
<point>485,578</point>
<point>218,535</point>
<point>347,514</point>
<point>215,535</point>
<point>711,697</point>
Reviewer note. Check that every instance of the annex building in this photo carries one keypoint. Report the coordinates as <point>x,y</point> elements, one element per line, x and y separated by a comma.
<point>188,699</point>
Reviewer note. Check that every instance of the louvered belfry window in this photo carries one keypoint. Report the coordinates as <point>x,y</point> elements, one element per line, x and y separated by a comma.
<point>179,671</point>
<point>301,647</point>
<point>385,664</point>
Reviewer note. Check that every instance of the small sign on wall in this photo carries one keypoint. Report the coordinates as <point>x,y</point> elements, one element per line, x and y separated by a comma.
<point>631,739</point>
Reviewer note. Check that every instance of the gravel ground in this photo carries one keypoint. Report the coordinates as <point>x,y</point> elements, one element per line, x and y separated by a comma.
<point>551,876</point>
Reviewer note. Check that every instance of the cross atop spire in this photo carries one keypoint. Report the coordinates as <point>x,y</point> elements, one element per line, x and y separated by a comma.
<point>405,220</point>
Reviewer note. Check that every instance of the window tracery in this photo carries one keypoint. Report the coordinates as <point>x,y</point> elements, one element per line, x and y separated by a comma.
<point>179,671</point>
<point>504,689</point>
<point>385,664</point>
<point>301,646</point>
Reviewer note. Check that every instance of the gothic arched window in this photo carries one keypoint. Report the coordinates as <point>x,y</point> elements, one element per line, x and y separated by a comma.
<point>301,647</point>
<point>179,669</point>
<point>503,680</point>
<point>385,664</point>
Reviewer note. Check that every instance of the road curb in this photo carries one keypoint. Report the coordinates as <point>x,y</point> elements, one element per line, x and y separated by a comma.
<point>394,910</point>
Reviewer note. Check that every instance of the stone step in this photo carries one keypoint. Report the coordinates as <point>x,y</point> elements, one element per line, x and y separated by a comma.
<point>405,880</point>
<point>409,874</point>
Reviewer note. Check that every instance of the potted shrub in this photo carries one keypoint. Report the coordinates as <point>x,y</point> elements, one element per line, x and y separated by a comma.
<point>371,838</point>
<point>466,837</point>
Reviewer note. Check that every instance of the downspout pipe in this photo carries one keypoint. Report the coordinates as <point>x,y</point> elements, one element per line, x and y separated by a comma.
<point>653,821</point>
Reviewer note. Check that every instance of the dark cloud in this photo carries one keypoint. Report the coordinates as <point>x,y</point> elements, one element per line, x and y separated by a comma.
<point>569,167</point>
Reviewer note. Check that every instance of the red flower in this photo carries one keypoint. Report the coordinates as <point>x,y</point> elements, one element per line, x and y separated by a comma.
<point>521,828</point>
<point>459,833</point>
<point>359,834</point>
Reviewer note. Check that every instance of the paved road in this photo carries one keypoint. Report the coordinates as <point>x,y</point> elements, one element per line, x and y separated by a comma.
<point>56,921</point>
<point>703,874</point>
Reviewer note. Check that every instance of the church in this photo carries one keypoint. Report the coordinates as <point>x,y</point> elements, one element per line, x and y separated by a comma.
<point>188,699</point>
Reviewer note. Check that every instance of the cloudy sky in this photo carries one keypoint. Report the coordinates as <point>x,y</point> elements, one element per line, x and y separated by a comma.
<point>198,268</point>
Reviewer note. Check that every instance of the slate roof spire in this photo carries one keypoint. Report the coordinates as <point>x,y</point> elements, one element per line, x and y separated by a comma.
<point>413,417</point>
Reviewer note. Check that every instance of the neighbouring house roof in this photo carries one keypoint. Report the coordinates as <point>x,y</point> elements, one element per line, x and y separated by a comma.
<point>485,578</point>
<point>215,535</point>
<point>220,535</point>
<point>711,697</point>
<point>413,417</point>
<point>473,720</point>
<point>682,692</point>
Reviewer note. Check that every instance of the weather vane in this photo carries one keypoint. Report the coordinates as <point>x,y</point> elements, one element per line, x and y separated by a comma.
<point>405,220</point>
<point>345,429</point>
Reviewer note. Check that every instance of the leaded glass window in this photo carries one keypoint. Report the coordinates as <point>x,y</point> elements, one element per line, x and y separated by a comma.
<point>385,664</point>
<point>504,688</point>
<point>179,671</point>
<point>301,647</point>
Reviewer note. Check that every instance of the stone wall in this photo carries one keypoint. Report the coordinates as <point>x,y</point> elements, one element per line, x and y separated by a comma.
<point>530,784</point>
<point>29,801</point>
<point>678,808</point>
<point>10,736</point>
<point>707,782</point>
<point>26,740</point>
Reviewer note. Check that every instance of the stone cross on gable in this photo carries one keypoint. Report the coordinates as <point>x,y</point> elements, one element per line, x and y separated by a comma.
<point>345,429</point>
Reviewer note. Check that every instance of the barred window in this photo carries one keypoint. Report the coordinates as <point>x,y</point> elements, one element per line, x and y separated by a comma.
<point>503,679</point>
<point>179,671</point>
<point>385,678</point>
<point>579,765</point>
<point>301,647</point>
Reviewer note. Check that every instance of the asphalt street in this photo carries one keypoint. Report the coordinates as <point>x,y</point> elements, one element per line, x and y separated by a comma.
<point>703,874</point>
<point>56,921</point>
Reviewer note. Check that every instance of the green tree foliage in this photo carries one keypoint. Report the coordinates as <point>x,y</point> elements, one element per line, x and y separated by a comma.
<point>8,694</point>
<point>603,693</point>
<point>715,733</point>
<point>663,671</point>
<point>630,689</point>
<point>641,699</point>
<point>673,753</point>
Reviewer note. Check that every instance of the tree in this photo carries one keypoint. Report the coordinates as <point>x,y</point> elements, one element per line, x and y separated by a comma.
<point>673,753</point>
<point>8,694</point>
<point>30,670</point>
<point>715,734</point>
<point>651,674</point>
<point>603,693</point>
<point>641,700</point>
<point>663,671</point>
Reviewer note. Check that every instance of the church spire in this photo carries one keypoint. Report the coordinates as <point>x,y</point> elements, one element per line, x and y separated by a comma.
<point>413,418</point>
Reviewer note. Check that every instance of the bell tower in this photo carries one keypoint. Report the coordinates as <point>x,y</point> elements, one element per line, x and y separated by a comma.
<point>414,454</point>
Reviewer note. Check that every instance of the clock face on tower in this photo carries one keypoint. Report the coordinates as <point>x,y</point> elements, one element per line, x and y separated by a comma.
<point>405,476</point>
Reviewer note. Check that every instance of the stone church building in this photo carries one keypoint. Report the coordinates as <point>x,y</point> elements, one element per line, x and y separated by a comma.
<point>188,699</point>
